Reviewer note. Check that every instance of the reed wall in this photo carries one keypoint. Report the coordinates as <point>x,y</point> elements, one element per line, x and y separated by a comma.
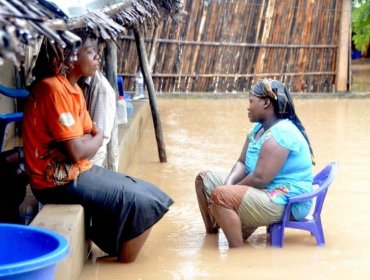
<point>226,45</point>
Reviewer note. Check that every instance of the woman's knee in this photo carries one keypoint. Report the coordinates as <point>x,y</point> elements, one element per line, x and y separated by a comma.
<point>219,195</point>
<point>228,196</point>
<point>199,183</point>
<point>224,216</point>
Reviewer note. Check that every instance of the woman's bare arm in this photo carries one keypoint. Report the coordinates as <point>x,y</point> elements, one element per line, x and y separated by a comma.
<point>270,160</point>
<point>85,146</point>
<point>237,173</point>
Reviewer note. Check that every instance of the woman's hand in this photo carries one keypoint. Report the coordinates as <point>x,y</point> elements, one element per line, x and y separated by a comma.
<point>238,172</point>
<point>95,130</point>
<point>85,146</point>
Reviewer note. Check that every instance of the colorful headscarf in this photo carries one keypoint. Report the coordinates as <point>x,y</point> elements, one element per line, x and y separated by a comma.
<point>283,104</point>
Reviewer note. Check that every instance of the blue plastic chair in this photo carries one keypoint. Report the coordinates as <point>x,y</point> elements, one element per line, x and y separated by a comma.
<point>6,119</point>
<point>312,224</point>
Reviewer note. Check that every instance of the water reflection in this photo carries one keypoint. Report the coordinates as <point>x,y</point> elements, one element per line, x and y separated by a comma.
<point>360,75</point>
<point>208,134</point>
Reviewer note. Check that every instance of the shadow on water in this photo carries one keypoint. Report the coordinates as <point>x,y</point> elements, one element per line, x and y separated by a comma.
<point>208,134</point>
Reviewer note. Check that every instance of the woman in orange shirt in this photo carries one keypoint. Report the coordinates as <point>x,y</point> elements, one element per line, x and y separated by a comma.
<point>59,139</point>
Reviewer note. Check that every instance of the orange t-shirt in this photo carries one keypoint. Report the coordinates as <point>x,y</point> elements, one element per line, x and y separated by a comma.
<point>55,111</point>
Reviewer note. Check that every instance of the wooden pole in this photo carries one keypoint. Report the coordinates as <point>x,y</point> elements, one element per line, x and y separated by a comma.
<point>342,55</point>
<point>140,45</point>
<point>350,60</point>
<point>111,74</point>
<point>110,56</point>
<point>153,47</point>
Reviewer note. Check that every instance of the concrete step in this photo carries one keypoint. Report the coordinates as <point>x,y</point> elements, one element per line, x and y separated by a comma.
<point>68,220</point>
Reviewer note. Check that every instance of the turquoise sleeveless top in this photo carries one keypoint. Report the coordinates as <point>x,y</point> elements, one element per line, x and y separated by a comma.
<point>295,176</point>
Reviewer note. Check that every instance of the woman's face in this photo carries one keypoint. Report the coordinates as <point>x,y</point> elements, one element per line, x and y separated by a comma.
<point>256,108</point>
<point>87,59</point>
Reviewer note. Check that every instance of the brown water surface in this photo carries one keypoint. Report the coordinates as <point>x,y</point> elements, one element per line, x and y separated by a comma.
<point>360,75</point>
<point>208,134</point>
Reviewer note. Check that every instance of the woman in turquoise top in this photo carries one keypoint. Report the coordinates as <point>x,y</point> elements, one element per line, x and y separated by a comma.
<point>275,163</point>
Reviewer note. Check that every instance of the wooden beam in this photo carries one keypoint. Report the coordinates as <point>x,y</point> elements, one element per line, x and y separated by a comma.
<point>140,45</point>
<point>153,47</point>
<point>110,56</point>
<point>183,75</point>
<point>235,44</point>
<point>342,79</point>
<point>78,22</point>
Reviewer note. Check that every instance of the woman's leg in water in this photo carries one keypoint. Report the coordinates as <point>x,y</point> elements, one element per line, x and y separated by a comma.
<point>131,248</point>
<point>203,204</point>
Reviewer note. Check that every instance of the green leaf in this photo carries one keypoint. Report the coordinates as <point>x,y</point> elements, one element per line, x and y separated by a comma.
<point>361,25</point>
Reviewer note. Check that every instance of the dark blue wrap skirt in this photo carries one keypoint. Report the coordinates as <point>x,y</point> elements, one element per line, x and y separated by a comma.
<point>117,207</point>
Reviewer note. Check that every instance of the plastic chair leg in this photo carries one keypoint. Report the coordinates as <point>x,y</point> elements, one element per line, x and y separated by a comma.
<point>320,239</point>
<point>276,235</point>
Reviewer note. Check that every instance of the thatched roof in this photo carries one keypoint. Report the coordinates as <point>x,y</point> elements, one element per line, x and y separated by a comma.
<point>23,22</point>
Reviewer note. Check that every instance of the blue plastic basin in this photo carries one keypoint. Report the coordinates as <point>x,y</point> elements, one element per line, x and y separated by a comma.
<point>28,252</point>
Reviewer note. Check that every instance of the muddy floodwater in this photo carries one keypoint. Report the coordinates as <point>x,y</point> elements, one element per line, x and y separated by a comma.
<point>360,75</point>
<point>204,134</point>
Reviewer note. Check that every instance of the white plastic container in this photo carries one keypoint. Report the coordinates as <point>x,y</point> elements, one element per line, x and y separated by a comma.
<point>139,86</point>
<point>129,108</point>
<point>121,110</point>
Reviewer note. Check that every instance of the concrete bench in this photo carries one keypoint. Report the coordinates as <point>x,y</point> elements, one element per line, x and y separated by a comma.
<point>68,220</point>
<point>129,134</point>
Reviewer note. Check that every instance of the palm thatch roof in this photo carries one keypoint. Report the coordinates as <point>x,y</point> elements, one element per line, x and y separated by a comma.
<point>23,22</point>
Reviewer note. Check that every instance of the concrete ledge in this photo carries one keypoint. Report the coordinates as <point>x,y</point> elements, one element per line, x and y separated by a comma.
<point>129,134</point>
<point>68,220</point>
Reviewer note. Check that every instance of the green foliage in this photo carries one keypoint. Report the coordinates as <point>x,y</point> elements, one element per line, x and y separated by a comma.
<point>361,24</point>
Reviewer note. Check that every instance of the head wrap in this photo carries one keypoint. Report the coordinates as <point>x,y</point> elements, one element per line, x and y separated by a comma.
<point>283,104</point>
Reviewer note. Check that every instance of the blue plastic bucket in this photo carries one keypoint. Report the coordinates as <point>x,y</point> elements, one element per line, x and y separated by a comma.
<point>28,252</point>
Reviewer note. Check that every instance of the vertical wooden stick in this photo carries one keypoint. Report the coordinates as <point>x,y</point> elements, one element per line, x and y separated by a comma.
<point>111,74</point>
<point>342,55</point>
<point>153,48</point>
<point>151,92</point>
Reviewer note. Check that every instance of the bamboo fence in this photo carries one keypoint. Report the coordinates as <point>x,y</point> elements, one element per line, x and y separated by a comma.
<point>226,45</point>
